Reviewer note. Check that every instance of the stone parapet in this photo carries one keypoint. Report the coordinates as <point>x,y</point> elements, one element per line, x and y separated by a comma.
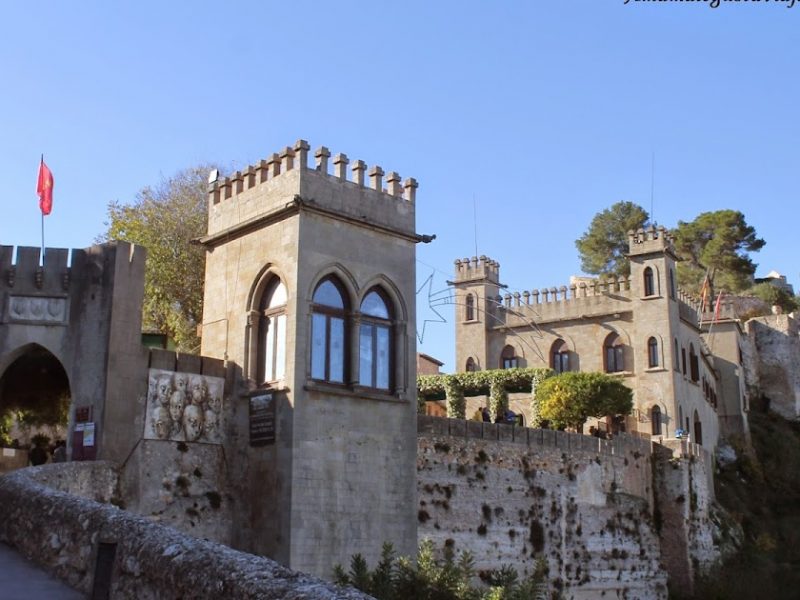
<point>23,270</point>
<point>270,185</point>
<point>575,301</point>
<point>563,440</point>
<point>63,532</point>
<point>650,240</point>
<point>477,269</point>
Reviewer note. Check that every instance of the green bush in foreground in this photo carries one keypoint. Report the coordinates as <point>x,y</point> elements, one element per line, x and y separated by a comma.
<point>399,578</point>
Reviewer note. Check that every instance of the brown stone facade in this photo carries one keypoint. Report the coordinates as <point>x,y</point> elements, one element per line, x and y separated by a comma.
<point>640,328</point>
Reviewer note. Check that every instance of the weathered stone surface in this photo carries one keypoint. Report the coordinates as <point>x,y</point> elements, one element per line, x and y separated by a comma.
<point>588,514</point>
<point>775,362</point>
<point>46,521</point>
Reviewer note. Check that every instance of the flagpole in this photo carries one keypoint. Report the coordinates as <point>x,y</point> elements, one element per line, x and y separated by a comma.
<point>41,260</point>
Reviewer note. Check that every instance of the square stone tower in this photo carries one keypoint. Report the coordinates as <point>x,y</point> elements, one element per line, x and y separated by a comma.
<point>310,291</point>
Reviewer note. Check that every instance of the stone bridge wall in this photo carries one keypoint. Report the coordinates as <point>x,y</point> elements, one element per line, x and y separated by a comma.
<point>58,515</point>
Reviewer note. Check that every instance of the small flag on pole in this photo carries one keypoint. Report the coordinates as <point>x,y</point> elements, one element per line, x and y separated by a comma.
<point>704,294</point>
<point>44,187</point>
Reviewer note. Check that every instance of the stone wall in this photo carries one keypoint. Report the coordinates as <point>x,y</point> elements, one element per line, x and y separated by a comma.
<point>510,495</point>
<point>180,483</point>
<point>58,516</point>
<point>775,366</point>
<point>689,521</point>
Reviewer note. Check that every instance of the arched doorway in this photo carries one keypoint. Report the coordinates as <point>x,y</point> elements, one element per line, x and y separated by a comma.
<point>34,397</point>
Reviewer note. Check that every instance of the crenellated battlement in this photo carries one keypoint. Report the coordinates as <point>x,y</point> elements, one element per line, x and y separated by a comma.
<point>368,194</point>
<point>27,275</point>
<point>59,270</point>
<point>580,299</point>
<point>296,159</point>
<point>652,239</point>
<point>573,291</point>
<point>477,268</point>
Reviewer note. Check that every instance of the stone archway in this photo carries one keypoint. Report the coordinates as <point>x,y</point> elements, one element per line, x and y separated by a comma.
<point>34,384</point>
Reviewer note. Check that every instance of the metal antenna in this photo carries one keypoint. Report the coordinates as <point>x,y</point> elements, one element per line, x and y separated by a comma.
<point>475,221</point>
<point>652,187</point>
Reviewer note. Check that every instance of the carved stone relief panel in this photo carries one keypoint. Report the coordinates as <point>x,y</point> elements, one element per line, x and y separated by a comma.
<point>41,309</point>
<point>184,407</point>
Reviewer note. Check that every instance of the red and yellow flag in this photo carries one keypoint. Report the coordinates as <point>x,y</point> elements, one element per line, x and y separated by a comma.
<point>704,294</point>
<point>44,187</point>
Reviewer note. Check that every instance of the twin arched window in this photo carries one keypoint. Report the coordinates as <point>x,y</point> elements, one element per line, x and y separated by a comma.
<point>375,342</point>
<point>329,336</point>
<point>328,332</point>
<point>559,356</point>
<point>271,352</point>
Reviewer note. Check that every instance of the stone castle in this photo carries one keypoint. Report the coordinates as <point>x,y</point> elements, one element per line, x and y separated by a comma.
<point>294,435</point>
<point>683,363</point>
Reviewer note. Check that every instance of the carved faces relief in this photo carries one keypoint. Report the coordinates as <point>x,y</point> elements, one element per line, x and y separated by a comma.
<point>192,423</point>
<point>184,407</point>
<point>163,389</point>
<point>211,426</point>
<point>215,403</point>
<point>176,403</point>
<point>160,422</point>
<point>199,392</point>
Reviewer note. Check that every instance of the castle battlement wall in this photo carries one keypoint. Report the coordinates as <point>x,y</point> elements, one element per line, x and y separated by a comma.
<point>286,177</point>
<point>27,276</point>
<point>650,240</point>
<point>577,300</point>
<point>477,268</point>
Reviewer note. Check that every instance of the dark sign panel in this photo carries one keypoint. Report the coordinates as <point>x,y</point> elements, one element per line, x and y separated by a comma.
<point>262,420</point>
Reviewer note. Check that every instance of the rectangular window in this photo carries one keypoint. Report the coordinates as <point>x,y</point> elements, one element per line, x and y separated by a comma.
<point>269,351</point>
<point>280,346</point>
<point>318,337</point>
<point>337,350</point>
<point>382,367</point>
<point>365,354</point>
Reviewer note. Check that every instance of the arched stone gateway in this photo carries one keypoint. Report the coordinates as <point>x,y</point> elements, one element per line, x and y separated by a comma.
<point>70,327</point>
<point>33,381</point>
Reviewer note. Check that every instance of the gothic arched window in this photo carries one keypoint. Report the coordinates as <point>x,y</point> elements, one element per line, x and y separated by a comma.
<point>469,312</point>
<point>375,341</point>
<point>655,420</point>
<point>559,356</point>
<point>652,352</point>
<point>470,368</point>
<point>614,354</point>
<point>272,332</point>
<point>329,331</point>
<point>508,358</point>
<point>649,282</point>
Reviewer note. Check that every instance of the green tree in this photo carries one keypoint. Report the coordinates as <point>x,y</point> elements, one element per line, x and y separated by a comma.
<point>603,248</point>
<point>775,296</point>
<point>568,399</point>
<point>716,243</point>
<point>165,219</point>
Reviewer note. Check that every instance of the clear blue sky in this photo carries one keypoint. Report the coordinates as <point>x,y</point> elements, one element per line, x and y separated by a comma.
<point>544,111</point>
